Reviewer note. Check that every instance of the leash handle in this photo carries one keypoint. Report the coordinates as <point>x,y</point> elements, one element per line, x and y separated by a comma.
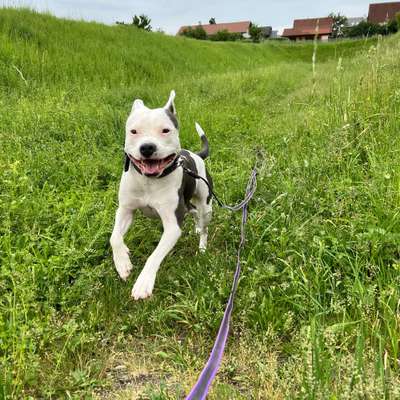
<point>202,386</point>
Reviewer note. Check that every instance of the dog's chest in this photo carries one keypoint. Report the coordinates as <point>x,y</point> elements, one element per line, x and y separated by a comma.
<point>151,194</point>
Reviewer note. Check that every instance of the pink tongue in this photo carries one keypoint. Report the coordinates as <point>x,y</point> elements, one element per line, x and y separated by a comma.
<point>153,168</point>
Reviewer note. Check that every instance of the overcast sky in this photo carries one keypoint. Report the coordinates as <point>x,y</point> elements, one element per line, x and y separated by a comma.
<point>169,15</point>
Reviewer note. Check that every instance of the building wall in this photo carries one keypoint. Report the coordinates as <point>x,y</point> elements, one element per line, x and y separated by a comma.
<point>323,38</point>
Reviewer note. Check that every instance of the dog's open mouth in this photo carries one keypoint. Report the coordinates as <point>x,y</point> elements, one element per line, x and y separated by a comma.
<point>153,167</point>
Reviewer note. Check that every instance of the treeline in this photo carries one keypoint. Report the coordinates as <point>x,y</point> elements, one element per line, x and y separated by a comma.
<point>341,29</point>
<point>365,28</point>
<point>198,32</point>
<point>256,33</point>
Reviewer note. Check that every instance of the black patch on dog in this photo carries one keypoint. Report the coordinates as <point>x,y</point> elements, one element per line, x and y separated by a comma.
<point>210,187</point>
<point>187,188</point>
<point>127,163</point>
<point>172,117</point>
<point>205,151</point>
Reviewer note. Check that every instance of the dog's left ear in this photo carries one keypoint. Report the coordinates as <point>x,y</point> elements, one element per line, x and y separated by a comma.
<point>137,104</point>
<point>170,106</point>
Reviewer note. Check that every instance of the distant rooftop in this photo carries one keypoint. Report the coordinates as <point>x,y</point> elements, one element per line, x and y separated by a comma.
<point>310,26</point>
<point>380,13</point>
<point>212,29</point>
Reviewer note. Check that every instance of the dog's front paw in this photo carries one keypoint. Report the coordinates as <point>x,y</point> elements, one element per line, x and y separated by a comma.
<point>123,265</point>
<point>144,285</point>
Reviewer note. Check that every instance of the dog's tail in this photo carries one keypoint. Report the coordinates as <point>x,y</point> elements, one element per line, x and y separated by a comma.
<point>205,151</point>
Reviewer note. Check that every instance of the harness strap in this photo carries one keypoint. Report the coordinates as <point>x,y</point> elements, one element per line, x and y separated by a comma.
<point>250,190</point>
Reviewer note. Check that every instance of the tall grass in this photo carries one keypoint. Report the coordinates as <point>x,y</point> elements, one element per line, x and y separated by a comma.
<point>317,309</point>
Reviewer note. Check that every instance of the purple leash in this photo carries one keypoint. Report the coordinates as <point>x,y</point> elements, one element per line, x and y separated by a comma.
<point>202,386</point>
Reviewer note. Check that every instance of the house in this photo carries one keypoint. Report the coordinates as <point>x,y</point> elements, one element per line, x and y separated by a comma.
<point>381,13</point>
<point>310,28</point>
<point>232,27</point>
<point>266,31</point>
<point>274,34</point>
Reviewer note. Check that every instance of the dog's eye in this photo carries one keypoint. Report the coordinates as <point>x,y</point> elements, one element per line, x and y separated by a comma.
<point>166,130</point>
<point>134,131</point>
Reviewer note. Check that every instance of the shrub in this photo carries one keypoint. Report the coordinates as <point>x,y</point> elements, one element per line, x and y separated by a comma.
<point>339,24</point>
<point>255,33</point>
<point>392,26</point>
<point>139,21</point>
<point>142,22</point>
<point>225,36</point>
<point>365,28</point>
<point>196,33</point>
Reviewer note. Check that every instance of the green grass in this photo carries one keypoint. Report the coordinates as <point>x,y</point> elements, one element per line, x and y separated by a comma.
<point>317,312</point>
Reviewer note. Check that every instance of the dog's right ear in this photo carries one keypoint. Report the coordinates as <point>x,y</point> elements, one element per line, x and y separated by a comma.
<point>137,104</point>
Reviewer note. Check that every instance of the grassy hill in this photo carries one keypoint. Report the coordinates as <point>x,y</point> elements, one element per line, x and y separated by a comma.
<point>317,313</point>
<point>52,51</point>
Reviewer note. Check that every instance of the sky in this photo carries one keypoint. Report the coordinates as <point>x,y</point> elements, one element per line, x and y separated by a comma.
<point>169,15</point>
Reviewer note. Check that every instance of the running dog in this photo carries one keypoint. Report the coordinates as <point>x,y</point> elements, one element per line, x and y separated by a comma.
<point>154,182</point>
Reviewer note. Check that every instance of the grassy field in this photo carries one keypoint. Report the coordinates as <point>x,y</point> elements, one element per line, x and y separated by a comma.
<point>317,312</point>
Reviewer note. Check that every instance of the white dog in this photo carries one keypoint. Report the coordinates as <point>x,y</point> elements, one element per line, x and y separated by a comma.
<point>154,182</point>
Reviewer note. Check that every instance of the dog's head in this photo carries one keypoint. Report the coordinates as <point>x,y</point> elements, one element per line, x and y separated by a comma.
<point>152,137</point>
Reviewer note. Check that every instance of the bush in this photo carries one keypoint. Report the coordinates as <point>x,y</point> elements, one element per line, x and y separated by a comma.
<point>225,36</point>
<point>366,28</point>
<point>197,33</point>
<point>393,26</point>
<point>142,22</point>
<point>339,24</point>
<point>255,33</point>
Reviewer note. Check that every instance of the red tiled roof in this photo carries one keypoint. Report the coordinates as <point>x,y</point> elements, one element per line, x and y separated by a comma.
<point>308,27</point>
<point>212,29</point>
<point>383,12</point>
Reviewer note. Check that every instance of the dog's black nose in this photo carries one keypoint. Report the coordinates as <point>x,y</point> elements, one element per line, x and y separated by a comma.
<point>147,149</point>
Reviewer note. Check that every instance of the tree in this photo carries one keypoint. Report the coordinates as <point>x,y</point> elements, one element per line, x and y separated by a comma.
<point>255,32</point>
<point>212,21</point>
<point>366,29</point>
<point>142,22</point>
<point>225,35</point>
<point>339,25</point>
<point>196,33</point>
<point>392,26</point>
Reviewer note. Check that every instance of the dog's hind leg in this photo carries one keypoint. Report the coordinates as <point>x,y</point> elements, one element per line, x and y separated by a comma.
<point>123,220</point>
<point>204,213</point>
